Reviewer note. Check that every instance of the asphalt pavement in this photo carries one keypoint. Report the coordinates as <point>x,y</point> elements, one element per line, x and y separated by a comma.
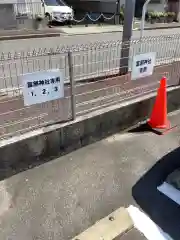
<point>62,197</point>
<point>29,44</point>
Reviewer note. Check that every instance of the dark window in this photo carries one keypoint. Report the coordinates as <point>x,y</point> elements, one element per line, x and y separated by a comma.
<point>54,3</point>
<point>155,1</point>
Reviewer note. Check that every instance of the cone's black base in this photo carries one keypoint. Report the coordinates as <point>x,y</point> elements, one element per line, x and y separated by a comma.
<point>146,127</point>
<point>162,131</point>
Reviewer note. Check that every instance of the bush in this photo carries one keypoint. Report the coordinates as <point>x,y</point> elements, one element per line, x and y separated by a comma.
<point>122,13</point>
<point>152,17</point>
<point>160,16</point>
<point>170,16</point>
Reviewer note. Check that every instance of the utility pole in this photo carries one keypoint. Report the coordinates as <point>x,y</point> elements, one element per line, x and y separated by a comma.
<point>127,33</point>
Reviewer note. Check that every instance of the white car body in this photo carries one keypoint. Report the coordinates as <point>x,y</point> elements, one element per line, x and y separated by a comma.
<point>59,13</point>
<point>55,10</point>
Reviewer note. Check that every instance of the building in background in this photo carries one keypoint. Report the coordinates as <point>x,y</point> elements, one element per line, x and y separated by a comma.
<point>174,6</point>
<point>154,5</point>
<point>113,6</point>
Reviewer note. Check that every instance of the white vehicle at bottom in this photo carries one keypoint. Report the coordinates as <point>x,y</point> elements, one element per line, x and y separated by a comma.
<point>57,10</point>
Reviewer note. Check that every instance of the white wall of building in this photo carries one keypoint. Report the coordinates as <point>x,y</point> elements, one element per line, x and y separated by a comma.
<point>159,7</point>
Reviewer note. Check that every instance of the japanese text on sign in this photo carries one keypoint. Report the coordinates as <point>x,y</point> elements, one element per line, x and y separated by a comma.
<point>42,86</point>
<point>43,82</point>
<point>143,65</point>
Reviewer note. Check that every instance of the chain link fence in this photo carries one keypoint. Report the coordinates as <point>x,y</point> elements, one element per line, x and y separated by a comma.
<point>92,80</point>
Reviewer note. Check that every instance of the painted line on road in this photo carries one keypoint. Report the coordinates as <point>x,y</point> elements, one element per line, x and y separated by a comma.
<point>114,225</point>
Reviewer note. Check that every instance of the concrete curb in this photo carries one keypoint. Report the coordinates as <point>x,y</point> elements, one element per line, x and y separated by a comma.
<point>44,35</point>
<point>28,36</point>
<point>91,33</point>
<point>45,144</point>
<point>115,31</point>
<point>114,225</point>
<point>160,27</point>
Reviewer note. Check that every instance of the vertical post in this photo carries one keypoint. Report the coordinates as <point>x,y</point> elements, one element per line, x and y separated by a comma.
<point>178,13</point>
<point>117,17</point>
<point>72,83</point>
<point>143,21</point>
<point>127,33</point>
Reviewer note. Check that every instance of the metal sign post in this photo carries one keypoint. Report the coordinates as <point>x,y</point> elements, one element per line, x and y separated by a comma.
<point>143,21</point>
<point>127,33</point>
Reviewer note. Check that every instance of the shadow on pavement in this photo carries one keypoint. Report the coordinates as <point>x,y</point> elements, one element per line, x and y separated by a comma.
<point>144,128</point>
<point>162,210</point>
<point>141,129</point>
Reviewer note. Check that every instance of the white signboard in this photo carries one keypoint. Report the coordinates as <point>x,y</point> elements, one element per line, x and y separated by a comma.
<point>143,65</point>
<point>43,86</point>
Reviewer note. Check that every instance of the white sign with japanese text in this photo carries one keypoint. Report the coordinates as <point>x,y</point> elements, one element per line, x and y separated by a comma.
<point>143,65</point>
<point>43,86</point>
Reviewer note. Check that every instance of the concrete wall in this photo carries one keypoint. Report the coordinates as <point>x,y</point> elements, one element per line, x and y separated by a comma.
<point>44,144</point>
<point>151,6</point>
<point>157,7</point>
<point>7,16</point>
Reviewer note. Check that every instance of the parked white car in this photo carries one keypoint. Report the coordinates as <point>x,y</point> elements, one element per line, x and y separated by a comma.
<point>53,10</point>
<point>57,10</point>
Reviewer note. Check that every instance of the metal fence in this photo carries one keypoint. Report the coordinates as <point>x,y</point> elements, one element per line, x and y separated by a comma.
<point>92,80</point>
<point>28,8</point>
<point>21,15</point>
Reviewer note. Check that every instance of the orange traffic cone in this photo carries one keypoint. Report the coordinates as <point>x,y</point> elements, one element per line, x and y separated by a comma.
<point>158,120</point>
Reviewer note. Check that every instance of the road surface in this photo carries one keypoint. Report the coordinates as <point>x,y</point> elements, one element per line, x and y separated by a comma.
<point>97,62</point>
<point>23,45</point>
<point>61,198</point>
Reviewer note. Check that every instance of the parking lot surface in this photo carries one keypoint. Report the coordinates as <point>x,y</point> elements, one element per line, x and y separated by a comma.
<point>61,198</point>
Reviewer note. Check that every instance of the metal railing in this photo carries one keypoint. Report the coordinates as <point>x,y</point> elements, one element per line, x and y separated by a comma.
<point>21,15</point>
<point>28,9</point>
<point>92,80</point>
